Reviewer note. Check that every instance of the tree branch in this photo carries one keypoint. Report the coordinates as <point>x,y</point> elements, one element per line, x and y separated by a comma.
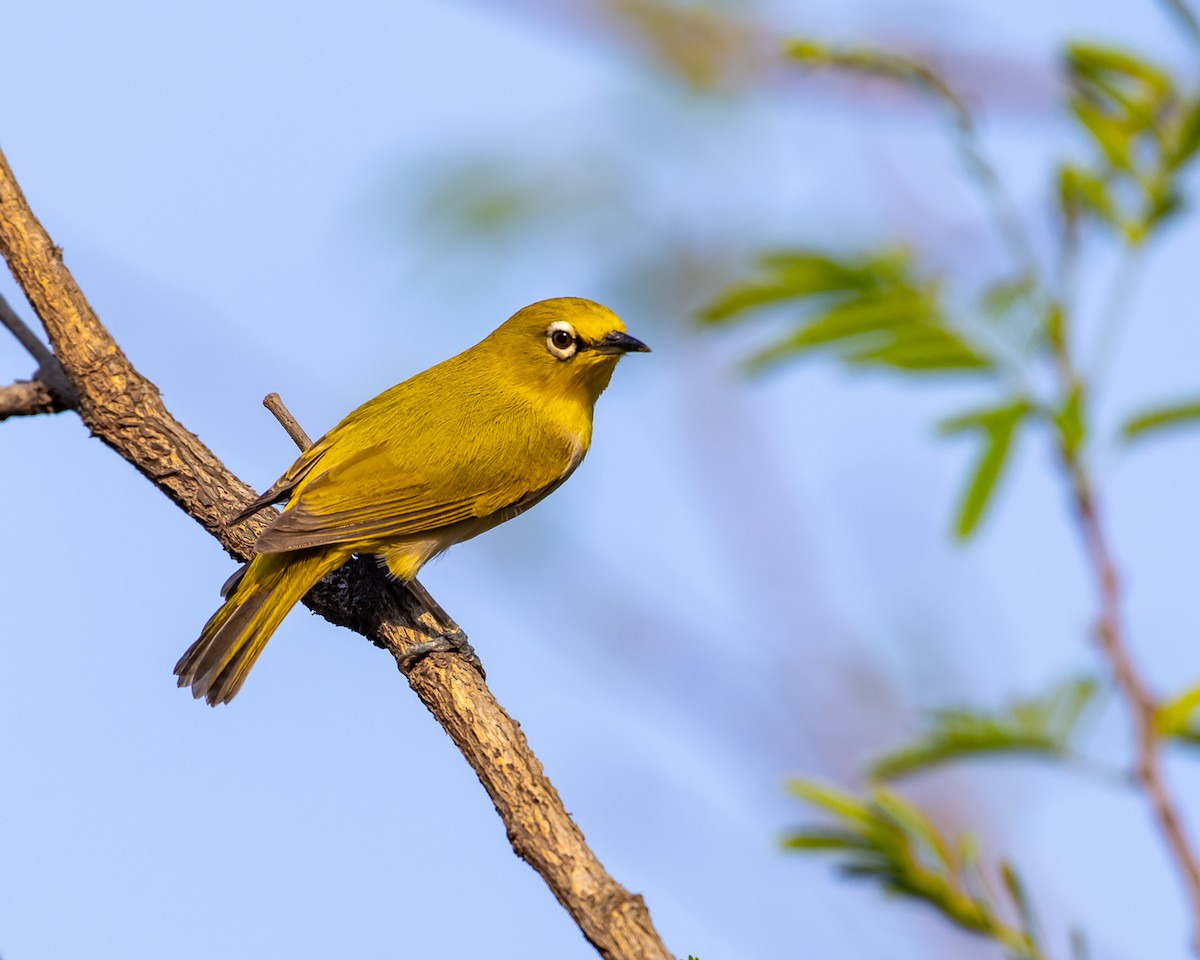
<point>1142,703</point>
<point>125,411</point>
<point>26,398</point>
<point>1110,633</point>
<point>50,373</point>
<point>274,403</point>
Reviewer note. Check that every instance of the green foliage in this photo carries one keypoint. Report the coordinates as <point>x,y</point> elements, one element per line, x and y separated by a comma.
<point>868,311</point>
<point>998,426</point>
<point>1117,98</point>
<point>873,310</point>
<point>1156,419</point>
<point>1042,726</point>
<point>885,64</point>
<point>1186,139</point>
<point>1145,133</point>
<point>1068,419</point>
<point>706,46</point>
<point>1179,719</point>
<point>883,837</point>
<point>1003,296</point>
<point>1142,132</point>
<point>1082,192</point>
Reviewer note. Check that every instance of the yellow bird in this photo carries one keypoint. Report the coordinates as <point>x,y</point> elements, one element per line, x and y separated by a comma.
<point>433,461</point>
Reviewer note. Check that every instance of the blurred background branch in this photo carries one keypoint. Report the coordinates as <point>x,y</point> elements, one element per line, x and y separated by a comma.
<point>1145,130</point>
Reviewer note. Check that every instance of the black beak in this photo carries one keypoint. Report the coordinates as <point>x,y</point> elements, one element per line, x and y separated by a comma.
<point>616,342</point>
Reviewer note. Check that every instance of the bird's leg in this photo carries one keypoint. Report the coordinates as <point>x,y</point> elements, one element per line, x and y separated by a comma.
<point>422,596</point>
<point>451,638</point>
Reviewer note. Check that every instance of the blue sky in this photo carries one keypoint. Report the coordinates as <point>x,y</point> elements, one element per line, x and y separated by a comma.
<point>776,595</point>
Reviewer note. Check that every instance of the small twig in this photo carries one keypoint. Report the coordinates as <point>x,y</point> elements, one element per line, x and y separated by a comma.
<point>274,403</point>
<point>27,398</point>
<point>1005,215</point>
<point>25,336</point>
<point>923,78</point>
<point>50,371</point>
<point>1115,314</point>
<point>1186,18</point>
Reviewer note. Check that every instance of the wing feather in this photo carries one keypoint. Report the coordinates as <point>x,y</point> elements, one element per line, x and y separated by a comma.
<point>409,486</point>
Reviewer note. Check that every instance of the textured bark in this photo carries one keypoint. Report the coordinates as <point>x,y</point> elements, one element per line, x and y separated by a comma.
<point>25,398</point>
<point>124,410</point>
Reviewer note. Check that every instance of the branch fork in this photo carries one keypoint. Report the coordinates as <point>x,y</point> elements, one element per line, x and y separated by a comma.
<point>124,410</point>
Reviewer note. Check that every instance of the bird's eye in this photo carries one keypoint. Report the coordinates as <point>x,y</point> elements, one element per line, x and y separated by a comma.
<point>561,340</point>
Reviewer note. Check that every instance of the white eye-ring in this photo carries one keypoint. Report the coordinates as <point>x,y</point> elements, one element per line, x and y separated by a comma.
<point>561,339</point>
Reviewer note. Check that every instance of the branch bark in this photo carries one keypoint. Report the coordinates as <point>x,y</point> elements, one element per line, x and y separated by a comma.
<point>26,398</point>
<point>49,391</point>
<point>1143,705</point>
<point>1110,637</point>
<point>124,410</point>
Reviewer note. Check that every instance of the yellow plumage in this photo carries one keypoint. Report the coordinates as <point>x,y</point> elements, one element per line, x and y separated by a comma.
<point>433,461</point>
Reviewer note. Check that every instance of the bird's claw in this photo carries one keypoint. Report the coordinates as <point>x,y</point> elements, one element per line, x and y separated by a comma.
<point>455,642</point>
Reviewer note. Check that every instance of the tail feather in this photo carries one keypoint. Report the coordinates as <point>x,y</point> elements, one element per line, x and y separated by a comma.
<point>216,665</point>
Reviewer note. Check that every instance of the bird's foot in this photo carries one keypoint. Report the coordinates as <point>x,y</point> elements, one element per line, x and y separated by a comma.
<point>455,642</point>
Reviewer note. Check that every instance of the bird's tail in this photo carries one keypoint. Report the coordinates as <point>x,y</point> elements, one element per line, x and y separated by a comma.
<point>257,600</point>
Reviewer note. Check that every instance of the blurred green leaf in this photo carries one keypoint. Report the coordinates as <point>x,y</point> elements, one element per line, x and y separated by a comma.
<point>1146,133</point>
<point>1068,419</point>
<point>998,425</point>
<point>885,838</point>
<point>1056,327</point>
<point>1101,63</point>
<point>1122,75</point>
<point>821,839</point>
<point>1119,85</point>
<point>1163,205</point>
<point>1178,719</point>
<point>1040,725</point>
<point>1000,297</point>
<point>868,310</point>
<point>917,343</point>
<point>878,63</point>
<point>1019,895</point>
<point>839,804</point>
<point>707,45</point>
<point>796,274</point>
<point>1170,416</point>
<point>1187,134</point>
<point>1080,192</point>
<point>1112,136</point>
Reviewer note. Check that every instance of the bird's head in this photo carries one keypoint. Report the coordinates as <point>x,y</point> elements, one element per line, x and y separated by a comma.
<point>567,345</point>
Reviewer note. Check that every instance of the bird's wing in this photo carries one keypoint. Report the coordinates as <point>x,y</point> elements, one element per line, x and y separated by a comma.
<point>282,488</point>
<point>377,495</point>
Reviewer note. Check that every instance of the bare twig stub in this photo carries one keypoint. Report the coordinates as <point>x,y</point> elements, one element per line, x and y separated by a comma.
<point>25,398</point>
<point>124,409</point>
<point>274,403</point>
